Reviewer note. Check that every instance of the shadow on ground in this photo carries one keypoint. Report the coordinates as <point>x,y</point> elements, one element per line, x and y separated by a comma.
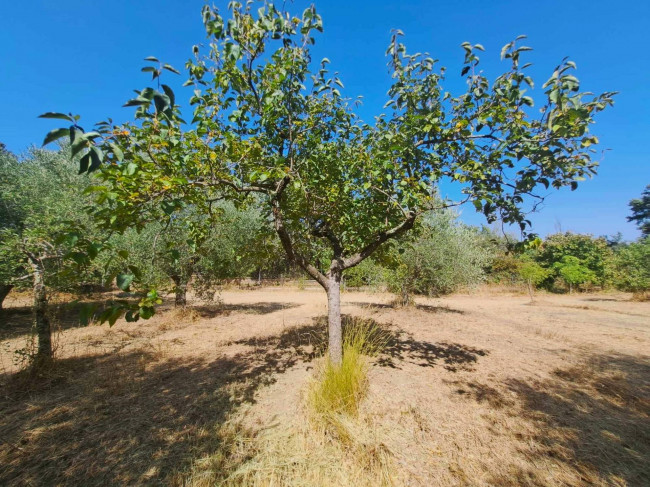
<point>591,422</point>
<point>422,307</point>
<point>261,308</point>
<point>17,321</point>
<point>141,418</point>
<point>310,341</point>
<point>124,418</point>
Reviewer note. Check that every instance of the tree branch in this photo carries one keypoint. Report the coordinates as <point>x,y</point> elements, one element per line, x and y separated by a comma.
<point>285,239</point>
<point>394,232</point>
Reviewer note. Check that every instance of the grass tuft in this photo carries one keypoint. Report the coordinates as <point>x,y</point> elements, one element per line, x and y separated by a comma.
<point>339,390</point>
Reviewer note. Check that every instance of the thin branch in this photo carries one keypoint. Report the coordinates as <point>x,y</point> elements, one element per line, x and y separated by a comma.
<point>379,239</point>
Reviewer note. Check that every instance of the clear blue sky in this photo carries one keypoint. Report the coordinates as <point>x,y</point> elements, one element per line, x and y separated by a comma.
<point>85,56</point>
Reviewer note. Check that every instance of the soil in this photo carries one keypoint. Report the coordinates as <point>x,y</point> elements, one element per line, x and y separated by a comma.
<point>484,388</point>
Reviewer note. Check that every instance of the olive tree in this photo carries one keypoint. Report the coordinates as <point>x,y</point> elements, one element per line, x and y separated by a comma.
<point>271,121</point>
<point>44,236</point>
<point>443,256</point>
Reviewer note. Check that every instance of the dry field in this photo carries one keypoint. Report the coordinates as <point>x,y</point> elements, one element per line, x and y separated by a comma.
<point>482,389</point>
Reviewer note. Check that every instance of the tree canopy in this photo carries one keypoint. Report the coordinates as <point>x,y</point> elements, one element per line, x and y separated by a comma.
<point>268,120</point>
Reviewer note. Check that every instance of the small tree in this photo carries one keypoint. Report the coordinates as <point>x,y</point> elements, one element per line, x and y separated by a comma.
<point>444,256</point>
<point>592,253</point>
<point>42,231</point>
<point>532,273</point>
<point>641,212</point>
<point>574,272</point>
<point>338,188</point>
<point>633,267</point>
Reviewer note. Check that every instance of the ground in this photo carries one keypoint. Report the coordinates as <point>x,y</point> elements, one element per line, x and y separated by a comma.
<point>473,389</point>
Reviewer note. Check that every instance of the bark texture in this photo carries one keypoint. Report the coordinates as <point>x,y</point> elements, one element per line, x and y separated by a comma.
<point>335,330</point>
<point>41,320</point>
<point>180,291</point>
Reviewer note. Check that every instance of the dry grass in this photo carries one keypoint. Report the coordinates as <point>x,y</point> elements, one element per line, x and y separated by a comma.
<point>469,390</point>
<point>339,390</point>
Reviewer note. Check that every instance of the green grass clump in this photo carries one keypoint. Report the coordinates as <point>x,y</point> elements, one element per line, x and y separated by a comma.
<point>340,389</point>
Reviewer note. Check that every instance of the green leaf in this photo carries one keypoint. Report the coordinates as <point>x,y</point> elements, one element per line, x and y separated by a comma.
<point>136,102</point>
<point>161,102</point>
<point>131,168</point>
<point>119,155</point>
<point>146,312</point>
<point>170,93</point>
<point>61,116</point>
<point>171,68</point>
<point>151,58</point>
<point>84,162</point>
<point>124,281</point>
<point>97,156</point>
<point>55,135</point>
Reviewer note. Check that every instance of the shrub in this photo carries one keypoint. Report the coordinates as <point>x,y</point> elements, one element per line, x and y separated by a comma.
<point>632,267</point>
<point>445,256</point>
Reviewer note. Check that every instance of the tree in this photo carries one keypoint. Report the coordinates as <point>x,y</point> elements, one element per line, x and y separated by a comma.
<point>44,236</point>
<point>443,256</point>
<point>633,267</point>
<point>338,188</point>
<point>641,211</point>
<point>574,271</point>
<point>593,253</point>
<point>531,272</point>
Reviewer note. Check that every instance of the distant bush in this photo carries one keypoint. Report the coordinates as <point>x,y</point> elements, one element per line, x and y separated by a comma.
<point>632,267</point>
<point>444,256</point>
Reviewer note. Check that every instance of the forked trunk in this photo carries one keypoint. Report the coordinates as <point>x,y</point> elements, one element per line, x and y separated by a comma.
<point>41,321</point>
<point>334,318</point>
<point>4,291</point>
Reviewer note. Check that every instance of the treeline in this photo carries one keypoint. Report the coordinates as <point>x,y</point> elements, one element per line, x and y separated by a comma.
<point>445,255</point>
<point>48,245</point>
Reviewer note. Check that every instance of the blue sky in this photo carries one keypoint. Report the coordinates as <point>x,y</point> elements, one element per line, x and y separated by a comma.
<point>85,57</point>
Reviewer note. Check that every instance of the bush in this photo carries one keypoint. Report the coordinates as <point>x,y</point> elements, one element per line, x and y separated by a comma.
<point>444,256</point>
<point>632,267</point>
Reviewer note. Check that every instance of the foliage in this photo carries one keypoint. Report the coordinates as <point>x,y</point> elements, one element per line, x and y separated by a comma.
<point>42,215</point>
<point>530,271</point>
<point>444,256</point>
<point>370,273</point>
<point>633,266</point>
<point>574,271</point>
<point>640,208</point>
<point>593,253</point>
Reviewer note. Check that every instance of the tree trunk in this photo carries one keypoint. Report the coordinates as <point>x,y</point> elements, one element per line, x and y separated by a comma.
<point>530,290</point>
<point>4,291</point>
<point>334,318</point>
<point>180,291</point>
<point>41,321</point>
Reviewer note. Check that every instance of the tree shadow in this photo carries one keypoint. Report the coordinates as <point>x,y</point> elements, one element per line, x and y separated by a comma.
<point>422,307</point>
<point>402,347</point>
<point>590,421</point>
<point>603,299</point>
<point>261,308</point>
<point>18,321</point>
<point>142,418</point>
<point>310,341</point>
<point>596,416</point>
<point>128,418</point>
